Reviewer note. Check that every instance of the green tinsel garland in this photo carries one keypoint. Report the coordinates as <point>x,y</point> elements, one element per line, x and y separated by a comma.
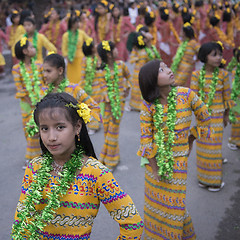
<point>165,160</point>
<point>179,55</point>
<point>35,42</point>
<point>32,221</point>
<point>33,89</point>
<point>113,91</point>
<point>235,92</point>
<point>72,44</point>
<point>31,126</point>
<point>90,73</point>
<point>212,87</point>
<point>152,53</point>
<point>232,64</point>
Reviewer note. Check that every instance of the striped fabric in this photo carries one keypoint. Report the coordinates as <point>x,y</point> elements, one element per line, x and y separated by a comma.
<point>74,218</point>
<point>33,147</point>
<point>165,214</point>
<point>186,65</point>
<point>209,151</point>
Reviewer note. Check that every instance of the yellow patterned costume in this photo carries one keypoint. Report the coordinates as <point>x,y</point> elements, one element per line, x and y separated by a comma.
<point>74,218</point>
<point>186,65</point>
<point>165,213</point>
<point>74,68</point>
<point>110,151</point>
<point>33,146</point>
<point>209,151</point>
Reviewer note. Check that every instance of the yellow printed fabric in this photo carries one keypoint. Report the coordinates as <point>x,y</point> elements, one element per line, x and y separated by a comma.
<point>82,97</point>
<point>96,92</point>
<point>165,213</point>
<point>33,146</point>
<point>74,68</point>
<point>110,152</point>
<point>74,218</point>
<point>14,36</point>
<point>209,150</point>
<point>186,65</point>
<point>235,131</point>
<point>139,58</point>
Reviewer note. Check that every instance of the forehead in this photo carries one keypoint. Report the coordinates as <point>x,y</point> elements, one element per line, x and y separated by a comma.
<point>214,51</point>
<point>53,114</point>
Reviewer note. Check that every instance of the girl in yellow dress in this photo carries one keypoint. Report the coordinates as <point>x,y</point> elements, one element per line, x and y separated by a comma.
<point>166,141</point>
<point>72,49</point>
<point>212,85</point>
<point>63,188</point>
<point>28,77</point>
<point>37,39</point>
<point>114,76</point>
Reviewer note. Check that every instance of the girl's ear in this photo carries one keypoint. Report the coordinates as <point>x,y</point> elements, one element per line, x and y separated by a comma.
<point>25,51</point>
<point>78,127</point>
<point>60,71</point>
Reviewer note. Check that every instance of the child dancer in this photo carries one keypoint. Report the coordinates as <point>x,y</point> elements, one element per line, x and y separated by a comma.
<point>213,87</point>
<point>37,39</point>
<point>165,145</point>
<point>28,77</point>
<point>63,188</point>
<point>72,48</point>
<point>89,81</point>
<point>234,140</point>
<point>184,63</point>
<point>115,76</point>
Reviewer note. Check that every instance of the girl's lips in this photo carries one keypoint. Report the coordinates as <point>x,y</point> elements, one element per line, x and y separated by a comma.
<point>53,147</point>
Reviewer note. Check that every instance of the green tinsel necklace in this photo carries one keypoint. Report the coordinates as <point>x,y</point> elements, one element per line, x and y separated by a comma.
<point>91,64</point>
<point>72,44</point>
<point>152,53</point>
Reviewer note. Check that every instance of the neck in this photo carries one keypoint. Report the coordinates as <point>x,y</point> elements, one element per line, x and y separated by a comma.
<point>61,160</point>
<point>110,63</point>
<point>27,60</point>
<point>164,92</point>
<point>209,68</point>
<point>58,81</point>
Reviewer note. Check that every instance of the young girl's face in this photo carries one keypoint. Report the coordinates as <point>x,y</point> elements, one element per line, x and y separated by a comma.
<point>147,37</point>
<point>116,12</point>
<point>29,27</point>
<point>16,19</point>
<point>51,73</point>
<point>115,53</point>
<point>214,58</point>
<point>54,15</point>
<point>165,75</point>
<point>57,132</point>
<point>101,10</point>
<point>30,51</point>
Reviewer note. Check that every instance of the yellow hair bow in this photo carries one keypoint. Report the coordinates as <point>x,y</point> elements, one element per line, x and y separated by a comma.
<point>23,41</point>
<point>15,12</point>
<point>77,12</point>
<point>223,61</point>
<point>217,16</point>
<point>166,11</point>
<point>89,41</point>
<point>187,24</point>
<point>184,9</point>
<point>177,5</point>
<point>104,2</point>
<point>220,43</point>
<point>192,20</point>
<point>194,12</point>
<point>140,40</point>
<point>228,10</point>
<point>152,15</point>
<point>106,45</point>
<point>51,52</point>
<point>111,6</point>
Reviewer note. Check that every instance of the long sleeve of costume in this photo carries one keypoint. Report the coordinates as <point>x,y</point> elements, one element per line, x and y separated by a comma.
<point>148,148</point>
<point>21,90</point>
<point>228,103</point>
<point>133,56</point>
<point>194,82</point>
<point>126,74</point>
<point>47,44</point>
<point>65,44</point>
<point>120,207</point>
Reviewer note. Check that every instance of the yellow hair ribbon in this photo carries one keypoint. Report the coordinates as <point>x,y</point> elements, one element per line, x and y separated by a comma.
<point>166,11</point>
<point>194,12</point>
<point>217,16</point>
<point>106,45</point>
<point>84,112</point>
<point>140,40</point>
<point>89,41</point>
<point>111,6</point>
<point>184,9</point>
<point>177,5</point>
<point>23,41</point>
<point>15,12</point>
<point>187,24</point>
<point>220,43</point>
<point>139,26</point>
<point>192,20</point>
<point>152,15</point>
<point>51,52</point>
<point>223,61</point>
<point>104,3</point>
<point>77,12</point>
<point>228,10</point>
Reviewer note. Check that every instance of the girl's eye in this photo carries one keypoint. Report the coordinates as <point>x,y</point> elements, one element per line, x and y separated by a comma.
<point>43,129</point>
<point>160,70</point>
<point>60,127</point>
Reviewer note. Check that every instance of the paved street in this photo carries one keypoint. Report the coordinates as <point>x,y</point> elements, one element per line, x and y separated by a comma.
<point>215,215</point>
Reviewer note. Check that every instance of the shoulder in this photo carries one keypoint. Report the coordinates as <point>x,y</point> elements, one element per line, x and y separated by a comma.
<point>147,106</point>
<point>223,72</point>
<point>35,164</point>
<point>196,73</point>
<point>16,67</point>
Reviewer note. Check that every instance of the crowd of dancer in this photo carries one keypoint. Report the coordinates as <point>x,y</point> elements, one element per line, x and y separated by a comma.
<point>76,65</point>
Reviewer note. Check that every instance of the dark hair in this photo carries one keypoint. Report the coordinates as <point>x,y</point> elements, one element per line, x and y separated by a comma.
<point>97,15</point>
<point>175,7</point>
<point>60,100</point>
<point>29,19</point>
<point>142,10</point>
<point>148,79</point>
<point>135,40</point>
<point>214,21</point>
<point>87,50</point>
<point>19,50</point>
<point>103,53</point>
<point>227,16</point>
<point>163,15</point>
<point>55,60</point>
<point>187,17</point>
<point>24,14</point>
<point>118,17</point>
<point>13,15</point>
<point>148,19</point>
<point>236,53</point>
<point>143,29</point>
<point>199,3</point>
<point>72,20</point>
<point>206,49</point>
<point>189,32</point>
